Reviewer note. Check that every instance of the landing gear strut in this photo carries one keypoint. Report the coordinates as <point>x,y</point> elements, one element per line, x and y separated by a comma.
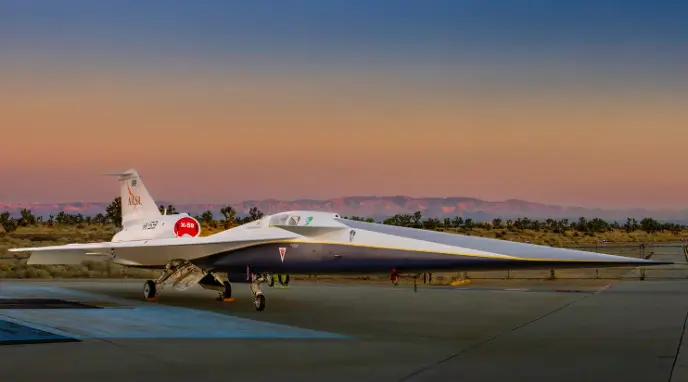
<point>182,274</point>
<point>258,298</point>
<point>226,293</point>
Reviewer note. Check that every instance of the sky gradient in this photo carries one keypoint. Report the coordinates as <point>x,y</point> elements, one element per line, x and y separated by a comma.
<point>573,102</point>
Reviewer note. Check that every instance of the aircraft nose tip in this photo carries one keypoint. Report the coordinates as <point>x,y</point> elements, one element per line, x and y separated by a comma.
<point>655,262</point>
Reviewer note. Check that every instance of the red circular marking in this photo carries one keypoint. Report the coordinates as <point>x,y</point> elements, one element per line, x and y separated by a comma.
<point>187,226</point>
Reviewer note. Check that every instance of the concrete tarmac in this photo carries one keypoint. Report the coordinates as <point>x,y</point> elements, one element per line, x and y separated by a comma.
<point>626,331</point>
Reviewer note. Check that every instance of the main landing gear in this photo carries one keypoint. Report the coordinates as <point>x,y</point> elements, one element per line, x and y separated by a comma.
<point>182,274</point>
<point>150,290</point>
<point>225,292</point>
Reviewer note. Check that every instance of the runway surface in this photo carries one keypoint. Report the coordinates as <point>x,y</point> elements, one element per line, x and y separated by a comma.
<point>628,331</point>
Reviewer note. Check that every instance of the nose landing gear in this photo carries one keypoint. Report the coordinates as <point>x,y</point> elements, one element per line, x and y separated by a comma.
<point>258,298</point>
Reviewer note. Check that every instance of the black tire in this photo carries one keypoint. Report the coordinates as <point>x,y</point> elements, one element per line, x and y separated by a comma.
<point>259,302</point>
<point>149,289</point>
<point>227,293</point>
<point>284,279</point>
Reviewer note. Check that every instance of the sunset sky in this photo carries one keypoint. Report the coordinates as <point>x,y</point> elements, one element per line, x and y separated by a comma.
<point>574,102</point>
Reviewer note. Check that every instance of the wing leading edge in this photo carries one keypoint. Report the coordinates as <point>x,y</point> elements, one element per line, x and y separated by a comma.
<point>520,252</point>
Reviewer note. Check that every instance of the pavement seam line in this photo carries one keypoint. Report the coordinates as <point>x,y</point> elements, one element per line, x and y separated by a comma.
<point>678,348</point>
<point>490,339</point>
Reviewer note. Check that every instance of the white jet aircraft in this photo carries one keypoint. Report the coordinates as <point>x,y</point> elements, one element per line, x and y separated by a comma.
<point>306,242</point>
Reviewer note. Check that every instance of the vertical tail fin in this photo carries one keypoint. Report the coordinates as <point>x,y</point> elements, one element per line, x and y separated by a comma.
<point>137,204</point>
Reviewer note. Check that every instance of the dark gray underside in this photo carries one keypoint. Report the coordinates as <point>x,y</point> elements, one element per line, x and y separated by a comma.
<point>334,258</point>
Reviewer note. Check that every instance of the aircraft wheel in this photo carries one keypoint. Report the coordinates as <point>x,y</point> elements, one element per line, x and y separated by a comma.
<point>271,280</point>
<point>284,279</point>
<point>149,289</point>
<point>227,293</point>
<point>259,302</point>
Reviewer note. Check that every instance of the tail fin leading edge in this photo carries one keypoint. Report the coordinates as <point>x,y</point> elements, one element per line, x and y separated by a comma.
<point>137,203</point>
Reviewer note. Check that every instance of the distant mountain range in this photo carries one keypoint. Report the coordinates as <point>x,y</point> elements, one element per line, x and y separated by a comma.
<point>382,207</point>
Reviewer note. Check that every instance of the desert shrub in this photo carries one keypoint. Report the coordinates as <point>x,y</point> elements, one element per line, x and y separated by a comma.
<point>37,273</point>
<point>19,273</point>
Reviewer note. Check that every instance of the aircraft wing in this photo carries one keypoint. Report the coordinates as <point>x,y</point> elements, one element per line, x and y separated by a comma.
<point>66,254</point>
<point>153,252</point>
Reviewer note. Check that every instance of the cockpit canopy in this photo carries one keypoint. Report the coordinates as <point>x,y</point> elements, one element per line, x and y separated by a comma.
<point>285,219</point>
<point>305,218</point>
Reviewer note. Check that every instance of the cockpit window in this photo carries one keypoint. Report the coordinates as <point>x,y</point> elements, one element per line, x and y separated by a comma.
<point>285,220</point>
<point>279,220</point>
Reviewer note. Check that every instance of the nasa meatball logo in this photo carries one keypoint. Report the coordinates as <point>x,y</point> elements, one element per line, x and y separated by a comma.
<point>186,226</point>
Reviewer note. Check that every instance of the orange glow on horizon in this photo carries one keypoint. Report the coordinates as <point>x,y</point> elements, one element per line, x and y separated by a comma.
<point>237,137</point>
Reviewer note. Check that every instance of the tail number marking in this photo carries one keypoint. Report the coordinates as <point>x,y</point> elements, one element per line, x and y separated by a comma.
<point>150,225</point>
